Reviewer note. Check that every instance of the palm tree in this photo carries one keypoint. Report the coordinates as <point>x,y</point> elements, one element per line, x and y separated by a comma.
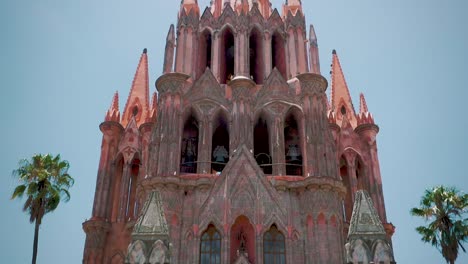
<point>45,181</point>
<point>444,208</point>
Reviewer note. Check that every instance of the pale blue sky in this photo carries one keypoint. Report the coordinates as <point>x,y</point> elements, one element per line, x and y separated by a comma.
<point>61,61</point>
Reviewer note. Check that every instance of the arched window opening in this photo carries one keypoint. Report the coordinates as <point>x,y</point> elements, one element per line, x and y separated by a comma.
<point>210,246</point>
<point>132,185</point>
<point>205,46</point>
<point>292,145</point>
<point>262,146</point>
<point>220,146</point>
<point>348,202</point>
<point>116,183</point>
<point>189,153</point>
<point>256,57</point>
<point>227,56</point>
<point>278,54</point>
<point>274,251</point>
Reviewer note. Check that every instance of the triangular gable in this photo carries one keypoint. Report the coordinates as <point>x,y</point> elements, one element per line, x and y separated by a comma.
<point>152,221</point>
<point>365,221</point>
<point>242,177</point>
<point>256,16</point>
<point>206,18</point>
<point>275,87</point>
<point>275,20</point>
<point>206,87</point>
<point>228,16</point>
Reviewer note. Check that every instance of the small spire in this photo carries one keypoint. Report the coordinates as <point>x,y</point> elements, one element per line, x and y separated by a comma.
<point>169,51</point>
<point>313,52</point>
<point>145,51</point>
<point>113,114</point>
<point>340,97</point>
<point>364,117</point>
<point>138,102</point>
<point>362,104</point>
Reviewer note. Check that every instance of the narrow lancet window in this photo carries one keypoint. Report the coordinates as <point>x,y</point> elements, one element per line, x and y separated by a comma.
<point>210,246</point>
<point>348,201</point>
<point>227,56</point>
<point>220,146</point>
<point>274,251</point>
<point>132,186</point>
<point>205,46</point>
<point>256,57</point>
<point>292,145</point>
<point>262,146</point>
<point>189,153</point>
<point>278,55</point>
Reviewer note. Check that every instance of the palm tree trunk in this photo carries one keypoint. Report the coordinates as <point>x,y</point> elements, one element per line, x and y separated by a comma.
<point>36,238</point>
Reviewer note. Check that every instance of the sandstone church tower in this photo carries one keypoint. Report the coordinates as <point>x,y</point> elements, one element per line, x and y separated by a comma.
<point>239,157</point>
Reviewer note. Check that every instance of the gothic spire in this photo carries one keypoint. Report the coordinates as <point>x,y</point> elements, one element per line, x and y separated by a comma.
<point>362,104</point>
<point>340,97</point>
<point>364,116</point>
<point>138,99</point>
<point>113,114</point>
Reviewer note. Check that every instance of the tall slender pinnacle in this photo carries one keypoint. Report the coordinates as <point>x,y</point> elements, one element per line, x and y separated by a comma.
<point>169,52</point>
<point>340,96</point>
<point>362,104</point>
<point>138,99</point>
<point>313,52</point>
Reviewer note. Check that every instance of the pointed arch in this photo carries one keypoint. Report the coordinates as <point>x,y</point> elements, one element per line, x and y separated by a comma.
<point>210,246</point>
<point>361,176</point>
<point>256,56</point>
<point>261,136</point>
<point>293,143</point>
<point>274,246</point>
<point>220,141</point>
<point>278,53</point>
<point>132,187</point>
<point>205,47</point>
<point>227,56</point>
<point>346,179</point>
<point>189,144</point>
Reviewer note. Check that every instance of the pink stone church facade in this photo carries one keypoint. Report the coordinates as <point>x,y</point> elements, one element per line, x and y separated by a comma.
<point>240,156</point>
